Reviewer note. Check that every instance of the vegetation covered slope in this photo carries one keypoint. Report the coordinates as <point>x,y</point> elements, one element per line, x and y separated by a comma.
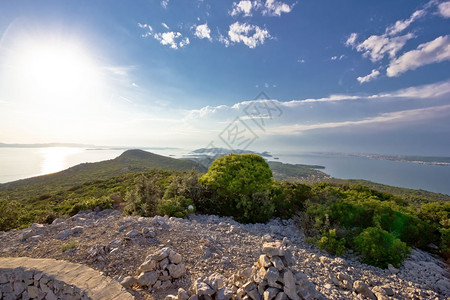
<point>337,215</point>
<point>410,195</point>
<point>128,162</point>
<point>297,172</point>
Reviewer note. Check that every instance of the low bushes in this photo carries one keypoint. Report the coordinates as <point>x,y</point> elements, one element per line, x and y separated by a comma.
<point>380,248</point>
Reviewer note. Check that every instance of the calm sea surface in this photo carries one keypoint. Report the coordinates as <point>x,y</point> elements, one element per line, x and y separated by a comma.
<point>403,174</point>
<point>19,163</point>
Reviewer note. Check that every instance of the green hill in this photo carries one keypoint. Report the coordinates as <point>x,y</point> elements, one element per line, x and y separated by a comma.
<point>84,186</point>
<point>129,161</point>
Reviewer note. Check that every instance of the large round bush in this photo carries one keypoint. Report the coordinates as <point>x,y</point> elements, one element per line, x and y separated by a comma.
<point>241,183</point>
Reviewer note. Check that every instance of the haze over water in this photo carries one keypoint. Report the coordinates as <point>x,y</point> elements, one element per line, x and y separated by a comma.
<point>20,163</point>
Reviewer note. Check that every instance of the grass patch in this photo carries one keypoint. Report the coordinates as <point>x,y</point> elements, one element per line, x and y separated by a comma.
<point>70,245</point>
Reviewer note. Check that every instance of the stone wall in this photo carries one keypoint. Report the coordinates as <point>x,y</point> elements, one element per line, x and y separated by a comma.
<point>32,278</point>
<point>20,283</point>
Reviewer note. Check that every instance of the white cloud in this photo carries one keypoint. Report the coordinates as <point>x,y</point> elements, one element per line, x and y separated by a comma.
<point>170,39</point>
<point>351,40</point>
<point>224,40</point>
<point>165,26</point>
<point>401,25</point>
<point>165,3</point>
<point>427,91</point>
<point>377,46</point>
<point>374,74</point>
<point>397,116</point>
<point>276,8</point>
<point>184,42</point>
<point>302,61</point>
<point>243,7</point>
<point>250,35</point>
<point>337,57</point>
<point>444,9</point>
<point>148,27</point>
<point>269,8</point>
<point>203,32</point>
<point>437,50</point>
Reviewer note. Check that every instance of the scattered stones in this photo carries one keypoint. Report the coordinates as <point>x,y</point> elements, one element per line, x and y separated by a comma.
<point>211,287</point>
<point>160,269</point>
<point>207,248</point>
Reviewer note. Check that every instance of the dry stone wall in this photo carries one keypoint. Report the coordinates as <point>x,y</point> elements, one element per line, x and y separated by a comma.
<point>30,278</point>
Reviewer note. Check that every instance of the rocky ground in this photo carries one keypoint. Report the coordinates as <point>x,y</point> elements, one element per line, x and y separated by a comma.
<point>118,246</point>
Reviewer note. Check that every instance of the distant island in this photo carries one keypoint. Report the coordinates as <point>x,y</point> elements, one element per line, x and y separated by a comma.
<point>224,151</point>
<point>422,160</point>
<point>46,145</point>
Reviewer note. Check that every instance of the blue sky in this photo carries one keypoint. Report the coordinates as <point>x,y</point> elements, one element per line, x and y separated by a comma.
<point>353,76</point>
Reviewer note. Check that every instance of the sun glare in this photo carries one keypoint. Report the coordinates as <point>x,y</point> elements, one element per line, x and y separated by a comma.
<point>58,74</point>
<point>55,159</point>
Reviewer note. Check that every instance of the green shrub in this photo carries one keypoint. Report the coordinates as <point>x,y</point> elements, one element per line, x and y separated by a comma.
<point>350,215</point>
<point>10,212</point>
<point>91,203</point>
<point>241,183</point>
<point>236,175</point>
<point>331,243</point>
<point>380,248</point>
<point>444,244</point>
<point>143,198</point>
<point>178,206</point>
<point>289,198</point>
<point>256,208</point>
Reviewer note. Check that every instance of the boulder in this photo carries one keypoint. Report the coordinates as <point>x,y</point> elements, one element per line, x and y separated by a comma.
<point>132,234</point>
<point>272,276</point>
<point>161,254</point>
<point>62,235</point>
<point>148,233</point>
<point>224,293</point>
<point>77,230</point>
<point>147,265</point>
<point>148,278</point>
<point>182,294</point>
<point>174,257</point>
<point>289,285</point>
<point>176,271</point>
<point>273,249</point>
<point>128,281</point>
<point>201,288</point>
<point>271,293</point>
<point>361,288</point>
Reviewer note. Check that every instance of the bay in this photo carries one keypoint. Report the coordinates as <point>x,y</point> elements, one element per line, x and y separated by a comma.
<point>20,163</point>
<point>431,178</point>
